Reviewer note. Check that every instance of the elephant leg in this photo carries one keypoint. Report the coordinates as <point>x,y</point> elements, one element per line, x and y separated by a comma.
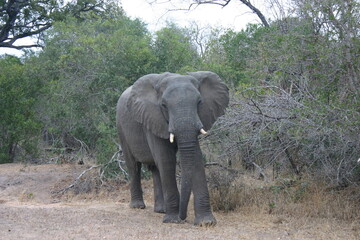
<point>203,214</point>
<point>159,206</point>
<point>170,190</point>
<point>137,200</point>
<point>134,169</point>
<point>164,155</point>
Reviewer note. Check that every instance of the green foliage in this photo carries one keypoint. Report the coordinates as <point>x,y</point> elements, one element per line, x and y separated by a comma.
<point>232,54</point>
<point>86,65</point>
<point>18,122</point>
<point>173,50</point>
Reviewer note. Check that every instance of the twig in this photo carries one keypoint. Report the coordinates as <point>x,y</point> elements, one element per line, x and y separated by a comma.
<point>223,167</point>
<point>122,169</point>
<point>115,158</point>
<point>261,172</point>
<point>82,145</point>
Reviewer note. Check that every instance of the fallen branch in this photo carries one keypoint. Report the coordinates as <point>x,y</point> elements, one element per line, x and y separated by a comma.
<point>76,180</point>
<point>115,158</point>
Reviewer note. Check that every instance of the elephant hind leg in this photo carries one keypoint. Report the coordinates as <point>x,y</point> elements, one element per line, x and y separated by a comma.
<point>134,169</point>
<point>159,205</point>
<point>137,200</point>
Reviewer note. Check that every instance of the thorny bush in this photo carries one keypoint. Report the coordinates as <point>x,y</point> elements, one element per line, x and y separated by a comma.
<point>275,132</point>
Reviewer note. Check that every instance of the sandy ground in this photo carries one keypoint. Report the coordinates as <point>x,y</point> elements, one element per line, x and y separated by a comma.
<point>30,210</point>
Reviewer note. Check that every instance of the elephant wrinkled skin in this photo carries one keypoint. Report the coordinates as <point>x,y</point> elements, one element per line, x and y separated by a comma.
<point>160,115</point>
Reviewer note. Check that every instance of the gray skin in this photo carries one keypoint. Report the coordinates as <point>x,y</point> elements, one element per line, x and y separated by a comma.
<point>147,112</point>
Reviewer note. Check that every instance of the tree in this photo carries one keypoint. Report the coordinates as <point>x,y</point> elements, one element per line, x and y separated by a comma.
<point>174,49</point>
<point>29,18</point>
<point>300,109</point>
<point>231,53</point>
<point>18,123</point>
<point>86,65</point>
<point>339,22</point>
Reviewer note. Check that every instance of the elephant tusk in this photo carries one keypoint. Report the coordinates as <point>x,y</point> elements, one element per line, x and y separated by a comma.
<point>172,137</point>
<point>202,131</point>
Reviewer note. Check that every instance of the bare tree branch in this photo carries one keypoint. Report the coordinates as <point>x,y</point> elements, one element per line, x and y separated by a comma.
<point>224,3</point>
<point>256,11</point>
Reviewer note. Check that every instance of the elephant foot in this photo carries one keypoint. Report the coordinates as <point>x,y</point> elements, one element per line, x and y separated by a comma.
<point>205,221</point>
<point>137,204</point>
<point>168,218</point>
<point>159,208</point>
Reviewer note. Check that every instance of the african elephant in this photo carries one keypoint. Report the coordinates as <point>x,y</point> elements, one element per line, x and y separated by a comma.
<point>158,116</point>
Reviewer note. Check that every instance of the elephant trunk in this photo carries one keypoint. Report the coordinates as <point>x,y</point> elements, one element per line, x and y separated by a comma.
<point>185,130</point>
<point>189,154</point>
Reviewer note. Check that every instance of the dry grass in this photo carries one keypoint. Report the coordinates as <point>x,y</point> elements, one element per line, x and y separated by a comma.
<point>305,198</point>
<point>292,206</point>
<point>292,198</point>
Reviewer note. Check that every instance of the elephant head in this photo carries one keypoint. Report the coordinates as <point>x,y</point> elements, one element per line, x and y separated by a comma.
<point>181,107</point>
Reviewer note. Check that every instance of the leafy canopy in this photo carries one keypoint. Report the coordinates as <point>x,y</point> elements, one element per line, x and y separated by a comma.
<point>29,18</point>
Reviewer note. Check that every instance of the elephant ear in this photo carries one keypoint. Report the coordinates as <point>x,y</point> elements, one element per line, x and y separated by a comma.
<point>214,95</point>
<point>144,105</point>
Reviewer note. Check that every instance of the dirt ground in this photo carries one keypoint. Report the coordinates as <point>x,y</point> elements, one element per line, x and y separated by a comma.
<point>30,210</point>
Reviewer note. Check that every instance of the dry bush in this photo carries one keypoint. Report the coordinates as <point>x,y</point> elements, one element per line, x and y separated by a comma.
<point>224,193</point>
<point>268,128</point>
<point>89,183</point>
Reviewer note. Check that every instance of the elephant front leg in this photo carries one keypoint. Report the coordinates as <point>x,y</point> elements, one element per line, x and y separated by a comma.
<point>164,155</point>
<point>203,213</point>
<point>171,194</point>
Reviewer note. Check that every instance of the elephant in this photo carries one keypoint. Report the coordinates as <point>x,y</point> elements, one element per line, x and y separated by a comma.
<point>159,116</point>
